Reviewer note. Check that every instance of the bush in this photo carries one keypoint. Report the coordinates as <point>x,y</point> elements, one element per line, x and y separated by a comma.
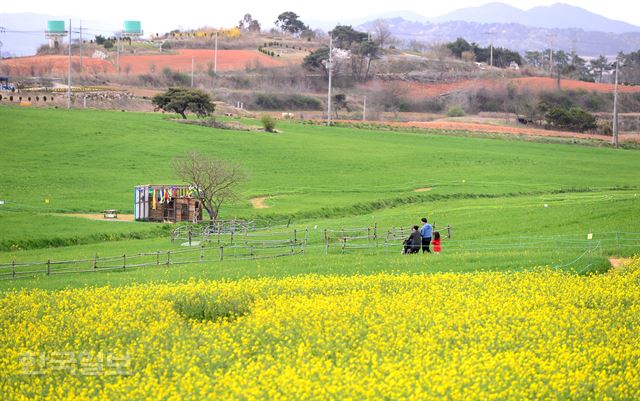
<point>605,127</point>
<point>108,44</point>
<point>455,112</point>
<point>573,118</point>
<point>268,123</point>
<point>268,101</point>
<point>175,77</point>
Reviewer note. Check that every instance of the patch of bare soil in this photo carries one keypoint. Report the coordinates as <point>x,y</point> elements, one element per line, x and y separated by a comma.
<point>259,202</point>
<point>617,264</point>
<point>121,217</point>
<point>426,189</point>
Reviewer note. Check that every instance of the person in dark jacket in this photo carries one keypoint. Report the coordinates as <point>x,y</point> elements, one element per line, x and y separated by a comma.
<point>413,243</point>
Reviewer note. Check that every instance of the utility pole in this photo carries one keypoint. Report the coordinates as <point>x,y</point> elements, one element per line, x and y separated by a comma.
<point>615,108</point>
<point>491,47</point>
<point>215,56</point>
<point>330,66</point>
<point>69,71</point>
<point>491,56</point>
<point>550,54</point>
<point>2,30</point>
<point>192,66</point>
<point>118,52</point>
<point>364,109</point>
<point>81,46</point>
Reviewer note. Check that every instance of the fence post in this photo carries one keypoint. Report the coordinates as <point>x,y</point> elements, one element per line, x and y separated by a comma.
<point>291,247</point>
<point>368,233</point>
<point>48,267</point>
<point>124,261</point>
<point>95,261</point>
<point>295,235</point>
<point>168,257</point>
<point>449,231</point>
<point>158,257</point>
<point>306,235</point>
<point>375,231</point>
<point>201,253</point>
<point>325,235</point>
<point>190,234</point>
<point>326,247</point>
<point>231,237</point>
<point>344,243</point>
<point>221,253</point>
<point>251,251</point>
<point>13,268</point>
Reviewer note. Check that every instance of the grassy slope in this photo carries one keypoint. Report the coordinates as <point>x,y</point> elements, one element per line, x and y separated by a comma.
<point>481,227</point>
<point>90,160</point>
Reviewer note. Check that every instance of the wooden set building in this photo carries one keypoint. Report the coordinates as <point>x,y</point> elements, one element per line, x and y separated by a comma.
<point>166,203</point>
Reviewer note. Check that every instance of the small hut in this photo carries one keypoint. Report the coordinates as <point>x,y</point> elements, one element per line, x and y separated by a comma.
<point>166,203</point>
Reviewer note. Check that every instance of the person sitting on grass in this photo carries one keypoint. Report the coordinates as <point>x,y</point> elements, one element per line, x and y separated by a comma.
<point>437,248</point>
<point>412,244</point>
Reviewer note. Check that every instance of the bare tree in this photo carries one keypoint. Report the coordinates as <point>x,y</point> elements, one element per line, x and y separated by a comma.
<point>382,33</point>
<point>440,51</point>
<point>215,181</point>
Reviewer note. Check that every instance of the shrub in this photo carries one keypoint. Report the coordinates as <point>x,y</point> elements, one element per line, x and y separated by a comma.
<point>175,77</point>
<point>268,123</point>
<point>573,118</point>
<point>268,101</point>
<point>455,112</point>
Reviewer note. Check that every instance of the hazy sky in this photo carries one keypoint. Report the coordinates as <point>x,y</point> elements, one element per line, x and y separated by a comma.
<point>162,15</point>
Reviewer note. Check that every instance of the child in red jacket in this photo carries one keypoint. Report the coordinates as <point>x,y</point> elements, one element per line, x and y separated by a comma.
<point>436,242</point>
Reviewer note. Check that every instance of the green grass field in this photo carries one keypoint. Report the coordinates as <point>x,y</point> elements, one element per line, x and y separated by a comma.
<point>492,192</point>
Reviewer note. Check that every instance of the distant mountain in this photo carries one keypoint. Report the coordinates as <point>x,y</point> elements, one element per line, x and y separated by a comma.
<point>514,36</point>
<point>557,16</point>
<point>328,25</point>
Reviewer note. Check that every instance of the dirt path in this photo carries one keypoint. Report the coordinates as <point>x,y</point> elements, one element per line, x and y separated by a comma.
<point>498,129</point>
<point>121,217</point>
<point>617,264</point>
<point>258,203</point>
<point>426,189</point>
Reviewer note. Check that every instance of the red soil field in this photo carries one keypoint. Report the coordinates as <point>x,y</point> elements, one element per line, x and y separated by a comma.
<point>533,84</point>
<point>54,65</point>
<point>497,129</point>
<point>550,84</point>
<point>228,60</point>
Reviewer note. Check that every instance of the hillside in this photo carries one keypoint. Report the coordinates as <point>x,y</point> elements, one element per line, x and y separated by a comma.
<point>515,36</point>
<point>556,16</point>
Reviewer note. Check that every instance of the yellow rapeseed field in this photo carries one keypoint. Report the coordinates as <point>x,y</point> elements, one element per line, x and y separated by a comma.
<point>540,335</point>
